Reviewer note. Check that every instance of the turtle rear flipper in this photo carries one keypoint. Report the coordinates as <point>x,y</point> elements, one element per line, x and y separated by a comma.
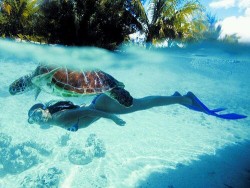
<point>122,96</point>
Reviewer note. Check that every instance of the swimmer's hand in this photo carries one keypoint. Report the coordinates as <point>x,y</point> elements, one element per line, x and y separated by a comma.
<point>118,121</point>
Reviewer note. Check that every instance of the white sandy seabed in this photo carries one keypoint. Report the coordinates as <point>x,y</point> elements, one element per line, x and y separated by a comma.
<point>162,147</point>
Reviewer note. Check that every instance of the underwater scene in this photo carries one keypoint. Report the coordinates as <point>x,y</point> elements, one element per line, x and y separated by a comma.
<point>168,146</point>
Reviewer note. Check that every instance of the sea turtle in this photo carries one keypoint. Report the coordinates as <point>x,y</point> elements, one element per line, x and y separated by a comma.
<point>68,83</point>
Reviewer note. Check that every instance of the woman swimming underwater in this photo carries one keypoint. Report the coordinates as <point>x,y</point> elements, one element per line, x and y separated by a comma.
<point>72,117</point>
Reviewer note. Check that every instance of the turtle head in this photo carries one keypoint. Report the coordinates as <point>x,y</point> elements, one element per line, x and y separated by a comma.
<point>21,85</point>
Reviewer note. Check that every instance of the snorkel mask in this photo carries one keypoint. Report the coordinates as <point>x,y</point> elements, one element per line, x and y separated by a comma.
<point>35,113</point>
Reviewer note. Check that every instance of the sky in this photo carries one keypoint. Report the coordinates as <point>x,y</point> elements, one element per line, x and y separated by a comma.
<point>233,16</point>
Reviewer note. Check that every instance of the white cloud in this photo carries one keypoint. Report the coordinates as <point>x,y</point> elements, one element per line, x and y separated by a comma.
<point>239,25</point>
<point>222,4</point>
<point>247,12</point>
<point>244,4</point>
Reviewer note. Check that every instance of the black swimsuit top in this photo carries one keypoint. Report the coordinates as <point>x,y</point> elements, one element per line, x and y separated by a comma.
<point>62,105</point>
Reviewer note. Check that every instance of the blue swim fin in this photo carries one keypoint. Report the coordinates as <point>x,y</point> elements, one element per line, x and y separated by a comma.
<point>218,109</point>
<point>230,116</point>
<point>199,106</point>
<point>177,94</point>
<point>74,127</point>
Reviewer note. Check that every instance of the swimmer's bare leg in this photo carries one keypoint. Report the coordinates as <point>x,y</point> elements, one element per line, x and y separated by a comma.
<point>107,104</point>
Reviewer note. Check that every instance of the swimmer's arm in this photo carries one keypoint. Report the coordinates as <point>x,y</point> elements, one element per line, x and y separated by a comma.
<point>69,114</point>
<point>98,113</point>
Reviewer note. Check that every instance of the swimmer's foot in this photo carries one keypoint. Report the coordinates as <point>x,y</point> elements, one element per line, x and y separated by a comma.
<point>197,105</point>
<point>194,105</point>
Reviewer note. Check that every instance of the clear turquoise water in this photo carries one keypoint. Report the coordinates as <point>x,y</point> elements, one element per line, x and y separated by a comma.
<point>154,143</point>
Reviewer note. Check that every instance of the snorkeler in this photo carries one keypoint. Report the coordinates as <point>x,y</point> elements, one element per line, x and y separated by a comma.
<point>72,117</point>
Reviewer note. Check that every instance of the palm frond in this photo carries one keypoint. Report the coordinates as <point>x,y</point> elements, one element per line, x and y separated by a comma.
<point>137,9</point>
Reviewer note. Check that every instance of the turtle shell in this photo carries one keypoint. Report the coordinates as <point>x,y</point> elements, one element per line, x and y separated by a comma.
<point>81,82</point>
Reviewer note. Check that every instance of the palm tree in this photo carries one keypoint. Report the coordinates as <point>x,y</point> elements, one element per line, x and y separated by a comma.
<point>171,19</point>
<point>214,31</point>
<point>18,17</point>
<point>100,23</point>
<point>56,22</point>
<point>106,23</point>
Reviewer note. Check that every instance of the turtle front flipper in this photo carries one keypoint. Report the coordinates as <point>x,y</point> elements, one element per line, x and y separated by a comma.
<point>122,96</point>
<point>38,91</point>
<point>43,79</point>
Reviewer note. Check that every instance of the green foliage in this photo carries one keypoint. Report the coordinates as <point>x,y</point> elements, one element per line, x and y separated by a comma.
<point>172,19</point>
<point>106,23</point>
<point>101,23</point>
<point>18,16</point>
<point>32,38</point>
<point>56,22</point>
<point>213,32</point>
<point>231,38</point>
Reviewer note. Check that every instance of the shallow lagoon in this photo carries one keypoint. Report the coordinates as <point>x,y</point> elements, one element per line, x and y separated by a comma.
<point>162,147</point>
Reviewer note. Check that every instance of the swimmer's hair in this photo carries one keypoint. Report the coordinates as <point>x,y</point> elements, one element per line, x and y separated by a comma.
<point>36,106</point>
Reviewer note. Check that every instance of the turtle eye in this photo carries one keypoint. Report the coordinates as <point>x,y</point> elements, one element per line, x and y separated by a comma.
<point>12,91</point>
